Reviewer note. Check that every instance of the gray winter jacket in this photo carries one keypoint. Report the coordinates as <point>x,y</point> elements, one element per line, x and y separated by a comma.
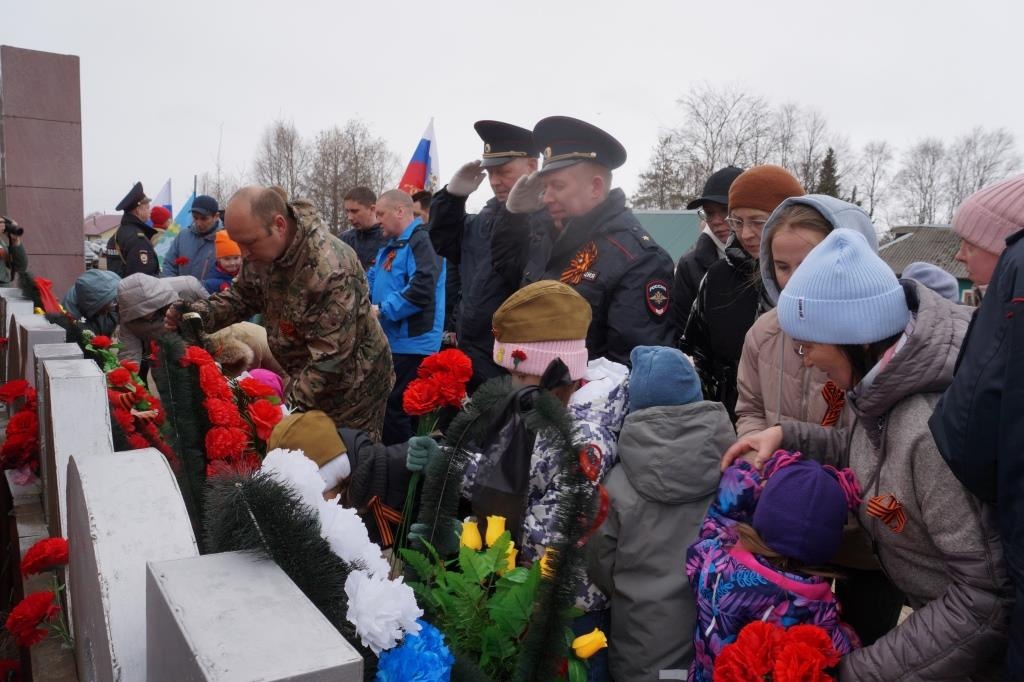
<point>947,558</point>
<point>140,295</point>
<point>199,250</point>
<point>660,490</point>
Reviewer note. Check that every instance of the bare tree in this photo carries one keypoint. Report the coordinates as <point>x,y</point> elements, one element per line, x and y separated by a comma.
<point>282,158</point>
<point>343,158</point>
<point>920,181</point>
<point>812,145</point>
<point>975,160</point>
<point>221,184</point>
<point>875,173</point>
<point>786,124</point>
<point>661,185</point>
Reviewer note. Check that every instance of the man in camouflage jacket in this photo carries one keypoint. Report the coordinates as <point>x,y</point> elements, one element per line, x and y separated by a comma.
<point>312,292</point>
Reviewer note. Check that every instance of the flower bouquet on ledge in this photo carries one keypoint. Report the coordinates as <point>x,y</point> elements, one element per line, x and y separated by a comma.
<point>765,651</point>
<point>40,613</point>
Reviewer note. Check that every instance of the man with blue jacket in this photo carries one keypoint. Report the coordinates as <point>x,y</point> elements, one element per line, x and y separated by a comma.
<point>193,251</point>
<point>407,293</point>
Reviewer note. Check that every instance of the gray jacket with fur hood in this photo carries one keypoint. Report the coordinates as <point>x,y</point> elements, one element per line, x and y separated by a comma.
<point>946,557</point>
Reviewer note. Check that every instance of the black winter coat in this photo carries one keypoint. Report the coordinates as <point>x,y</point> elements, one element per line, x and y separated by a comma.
<point>690,270</point>
<point>465,241</point>
<point>977,424</point>
<point>133,242</point>
<point>366,243</point>
<point>728,302</point>
<point>608,258</point>
<point>379,471</point>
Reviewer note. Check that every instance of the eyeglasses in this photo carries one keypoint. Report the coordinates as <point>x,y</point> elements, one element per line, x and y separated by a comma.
<point>737,224</point>
<point>708,217</point>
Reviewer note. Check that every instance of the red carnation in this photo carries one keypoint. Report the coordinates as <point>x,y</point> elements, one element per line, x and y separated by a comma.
<point>421,396</point>
<point>798,662</point>
<point>25,618</point>
<point>264,417</point>
<point>256,389</point>
<point>815,638</point>
<point>519,355</point>
<point>23,423</point>
<point>451,390</point>
<point>9,665</point>
<point>450,361</point>
<point>131,366</point>
<point>124,419</point>
<point>223,442</point>
<point>46,554</point>
<point>181,260</point>
<point>194,355</point>
<point>222,412</point>
<point>3,342</point>
<point>101,341</point>
<point>119,376</point>
<point>13,390</point>
<point>137,442</point>
<point>214,384</point>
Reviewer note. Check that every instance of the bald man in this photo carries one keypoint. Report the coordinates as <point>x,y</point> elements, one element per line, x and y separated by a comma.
<point>313,295</point>
<point>407,291</point>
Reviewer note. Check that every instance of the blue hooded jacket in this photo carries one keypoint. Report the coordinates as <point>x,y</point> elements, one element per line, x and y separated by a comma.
<point>198,248</point>
<point>91,292</point>
<point>407,284</point>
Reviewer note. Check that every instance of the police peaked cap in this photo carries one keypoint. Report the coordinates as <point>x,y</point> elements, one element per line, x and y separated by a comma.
<point>504,142</point>
<point>567,141</point>
<point>133,198</point>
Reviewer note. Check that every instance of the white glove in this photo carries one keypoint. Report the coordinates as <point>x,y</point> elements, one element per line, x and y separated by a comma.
<point>525,196</point>
<point>466,179</point>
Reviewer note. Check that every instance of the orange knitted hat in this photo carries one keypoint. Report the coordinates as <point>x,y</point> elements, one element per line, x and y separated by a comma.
<point>763,188</point>
<point>224,246</point>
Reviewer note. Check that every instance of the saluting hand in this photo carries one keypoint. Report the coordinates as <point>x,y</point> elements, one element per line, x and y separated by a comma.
<point>525,196</point>
<point>466,179</point>
<point>757,448</point>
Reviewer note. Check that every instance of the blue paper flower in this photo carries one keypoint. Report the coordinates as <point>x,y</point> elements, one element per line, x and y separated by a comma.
<point>419,658</point>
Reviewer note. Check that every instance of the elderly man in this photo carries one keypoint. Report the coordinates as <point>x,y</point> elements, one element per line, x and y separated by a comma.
<point>594,243</point>
<point>133,241</point>
<point>464,240</point>
<point>312,293</point>
<point>193,252</point>
<point>407,291</point>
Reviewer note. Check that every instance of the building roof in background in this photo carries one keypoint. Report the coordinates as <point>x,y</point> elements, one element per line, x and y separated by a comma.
<point>936,244</point>
<point>96,225</point>
<point>675,231</point>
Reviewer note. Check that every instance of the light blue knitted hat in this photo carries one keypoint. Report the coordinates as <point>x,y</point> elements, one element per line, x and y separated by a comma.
<point>843,293</point>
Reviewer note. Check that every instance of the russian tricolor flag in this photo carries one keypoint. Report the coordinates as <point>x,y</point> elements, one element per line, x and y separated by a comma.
<point>422,171</point>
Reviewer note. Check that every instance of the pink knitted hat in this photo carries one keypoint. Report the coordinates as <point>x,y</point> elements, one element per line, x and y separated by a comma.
<point>989,216</point>
<point>534,357</point>
<point>268,378</point>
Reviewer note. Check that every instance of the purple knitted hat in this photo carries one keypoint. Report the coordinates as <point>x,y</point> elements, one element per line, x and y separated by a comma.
<point>803,508</point>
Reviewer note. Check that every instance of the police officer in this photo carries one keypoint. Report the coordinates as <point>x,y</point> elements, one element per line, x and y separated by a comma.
<point>133,239</point>
<point>592,241</point>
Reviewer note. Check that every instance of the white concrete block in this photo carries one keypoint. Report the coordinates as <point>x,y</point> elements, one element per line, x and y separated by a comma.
<point>124,510</point>
<point>233,617</point>
<point>12,360</point>
<point>34,330</point>
<point>76,397</point>
<point>44,352</point>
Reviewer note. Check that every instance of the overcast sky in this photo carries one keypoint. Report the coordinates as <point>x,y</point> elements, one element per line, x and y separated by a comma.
<point>161,80</point>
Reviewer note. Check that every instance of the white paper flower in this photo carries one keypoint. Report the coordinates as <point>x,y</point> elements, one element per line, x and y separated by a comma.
<point>381,610</point>
<point>347,536</point>
<point>293,469</point>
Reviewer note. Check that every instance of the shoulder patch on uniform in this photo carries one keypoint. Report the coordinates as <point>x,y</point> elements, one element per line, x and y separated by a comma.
<point>643,237</point>
<point>656,292</point>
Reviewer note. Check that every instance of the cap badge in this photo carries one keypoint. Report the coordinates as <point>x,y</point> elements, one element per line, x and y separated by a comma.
<point>487,149</point>
<point>547,152</point>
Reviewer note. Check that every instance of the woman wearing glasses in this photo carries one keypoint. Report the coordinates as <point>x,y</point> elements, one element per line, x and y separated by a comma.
<point>730,296</point>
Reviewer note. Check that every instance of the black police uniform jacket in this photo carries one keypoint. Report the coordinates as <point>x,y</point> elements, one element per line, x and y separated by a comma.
<point>728,303</point>
<point>465,241</point>
<point>609,259</point>
<point>133,243</point>
<point>366,243</point>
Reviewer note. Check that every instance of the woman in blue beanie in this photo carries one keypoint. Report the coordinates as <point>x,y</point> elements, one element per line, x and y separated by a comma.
<point>892,347</point>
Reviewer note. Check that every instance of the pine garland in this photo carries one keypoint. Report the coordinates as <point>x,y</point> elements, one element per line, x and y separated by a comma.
<point>260,515</point>
<point>27,284</point>
<point>183,399</point>
<point>73,333</point>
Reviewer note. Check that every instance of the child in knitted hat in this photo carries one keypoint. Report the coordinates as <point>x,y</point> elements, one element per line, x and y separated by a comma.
<point>768,536</point>
<point>228,264</point>
<point>983,221</point>
<point>666,477</point>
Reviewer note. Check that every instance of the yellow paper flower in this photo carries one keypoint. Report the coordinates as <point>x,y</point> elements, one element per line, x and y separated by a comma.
<point>495,527</point>
<point>37,311</point>
<point>546,569</point>
<point>471,535</point>
<point>512,552</point>
<point>589,644</point>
